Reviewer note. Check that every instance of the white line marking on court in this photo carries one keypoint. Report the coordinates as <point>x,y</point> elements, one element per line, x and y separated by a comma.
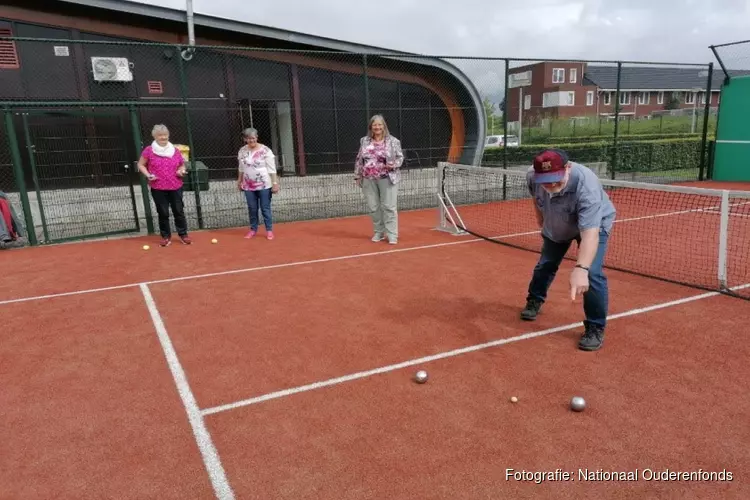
<point>252,269</point>
<point>210,456</point>
<point>334,259</point>
<point>448,354</point>
<point>67,294</point>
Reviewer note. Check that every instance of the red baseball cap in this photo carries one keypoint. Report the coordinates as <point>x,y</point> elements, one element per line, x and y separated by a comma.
<point>549,166</point>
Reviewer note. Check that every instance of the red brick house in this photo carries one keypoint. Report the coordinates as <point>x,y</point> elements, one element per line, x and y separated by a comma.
<point>575,89</point>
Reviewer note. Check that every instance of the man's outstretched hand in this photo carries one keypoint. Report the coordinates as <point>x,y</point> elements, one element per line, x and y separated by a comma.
<point>579,282</point>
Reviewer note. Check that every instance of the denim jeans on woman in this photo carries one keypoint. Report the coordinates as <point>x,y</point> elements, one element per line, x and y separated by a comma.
<point>256,200</point>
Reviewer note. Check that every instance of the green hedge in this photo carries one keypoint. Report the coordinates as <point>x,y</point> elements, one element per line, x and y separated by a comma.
<point>599,138</point>
<point>643,156</point>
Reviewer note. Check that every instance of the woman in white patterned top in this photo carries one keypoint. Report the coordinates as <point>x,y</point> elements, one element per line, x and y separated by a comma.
<point>377,172</point>
<point>258,179</point>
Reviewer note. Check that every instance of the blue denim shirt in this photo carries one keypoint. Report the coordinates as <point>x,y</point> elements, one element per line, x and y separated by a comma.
<point>582,204</point>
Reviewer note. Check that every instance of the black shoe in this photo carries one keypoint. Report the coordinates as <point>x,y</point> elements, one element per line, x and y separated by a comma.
<point>592,339</point>
<point>531,310</point>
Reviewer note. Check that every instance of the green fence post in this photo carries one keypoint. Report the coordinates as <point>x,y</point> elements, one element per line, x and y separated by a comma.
<point>35,177</point>
<point>188,125</point>
<point>15,154</point>
<point>706,112</point>
<point>617,121</point>
<point>505,127</point>
<point>136,128</point>
<point>367,88</point>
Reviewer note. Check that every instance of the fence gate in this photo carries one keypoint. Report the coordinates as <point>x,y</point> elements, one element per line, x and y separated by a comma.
<point>81,178</point>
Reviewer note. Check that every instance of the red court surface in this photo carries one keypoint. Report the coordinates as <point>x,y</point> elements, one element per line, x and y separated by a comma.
<point>285,371</point>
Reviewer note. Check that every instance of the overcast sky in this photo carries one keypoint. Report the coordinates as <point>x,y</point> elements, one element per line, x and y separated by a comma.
<point>653,30</point>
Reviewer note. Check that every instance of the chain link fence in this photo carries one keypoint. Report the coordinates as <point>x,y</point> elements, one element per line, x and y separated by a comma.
<point>635,121</point>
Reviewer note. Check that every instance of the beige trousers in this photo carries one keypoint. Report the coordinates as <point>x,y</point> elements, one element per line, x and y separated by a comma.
<point>382,202</point>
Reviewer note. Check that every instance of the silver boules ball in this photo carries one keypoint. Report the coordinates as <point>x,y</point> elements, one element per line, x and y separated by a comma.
<point>420,377</point>
<point>577,403</point>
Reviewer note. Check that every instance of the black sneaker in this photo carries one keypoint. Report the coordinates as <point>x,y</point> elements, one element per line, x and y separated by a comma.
<point>531,310</point>
<point>592,339</point>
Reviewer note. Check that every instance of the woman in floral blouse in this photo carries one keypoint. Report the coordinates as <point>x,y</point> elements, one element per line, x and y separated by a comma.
<point>258,179</point>
<point>377,172</point>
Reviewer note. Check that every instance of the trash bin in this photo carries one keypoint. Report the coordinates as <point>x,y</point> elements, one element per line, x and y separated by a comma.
<point>198,177</point>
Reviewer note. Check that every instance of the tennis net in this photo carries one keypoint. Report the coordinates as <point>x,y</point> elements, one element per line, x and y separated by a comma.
<point>691,236</point>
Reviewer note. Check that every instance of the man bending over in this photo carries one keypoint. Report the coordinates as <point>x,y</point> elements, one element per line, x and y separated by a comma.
<point>571,204</point>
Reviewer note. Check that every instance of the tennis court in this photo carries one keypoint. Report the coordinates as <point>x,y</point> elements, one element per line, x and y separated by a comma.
<point>283,369</point>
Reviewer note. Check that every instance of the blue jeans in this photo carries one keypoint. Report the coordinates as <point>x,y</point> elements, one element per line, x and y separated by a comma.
<point>595,300</point>
<point>262,198</point>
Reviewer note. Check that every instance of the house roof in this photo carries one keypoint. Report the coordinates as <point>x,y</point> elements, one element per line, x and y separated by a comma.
<point>655,78</point>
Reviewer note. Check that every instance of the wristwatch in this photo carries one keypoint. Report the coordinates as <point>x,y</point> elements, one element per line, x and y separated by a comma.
<point>582,267</point>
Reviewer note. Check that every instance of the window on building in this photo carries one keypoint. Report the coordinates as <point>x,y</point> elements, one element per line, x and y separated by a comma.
<point>689,97</point>
<point>624,98</point>
<point>644,98</point>
<point>590,98</point>
<point>558,75</point>
<point>660,97</point>
<point>607,98</point>
<point>570,99</point>
<point>527,102</point>
<point>573,75</point>
<point>703,98</point>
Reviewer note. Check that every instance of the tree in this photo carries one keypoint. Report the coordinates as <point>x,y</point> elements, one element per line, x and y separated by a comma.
<point>489,107</point>
<point>672,103</point>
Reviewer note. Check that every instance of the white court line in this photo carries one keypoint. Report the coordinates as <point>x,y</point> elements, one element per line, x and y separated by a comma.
<point>447,354</point>
<point>66,294</point>
<point>210,456</point>
<point>333,259</point>
<point>259,268</point>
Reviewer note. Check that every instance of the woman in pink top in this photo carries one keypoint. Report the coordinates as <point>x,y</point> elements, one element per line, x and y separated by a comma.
<point>377,172</point>
<point>164,166</point>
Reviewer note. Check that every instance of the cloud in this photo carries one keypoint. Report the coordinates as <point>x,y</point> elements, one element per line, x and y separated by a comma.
<point>635,30</point>
<point>674,30</point>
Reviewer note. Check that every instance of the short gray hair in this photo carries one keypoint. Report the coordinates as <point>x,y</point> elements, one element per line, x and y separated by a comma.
<point>159,129</point>
<point>250,132</point>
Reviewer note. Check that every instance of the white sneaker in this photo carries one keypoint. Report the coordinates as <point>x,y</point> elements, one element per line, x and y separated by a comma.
<point>377,237</point>
<point>393,241</point>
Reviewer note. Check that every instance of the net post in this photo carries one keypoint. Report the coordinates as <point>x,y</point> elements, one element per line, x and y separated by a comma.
<point>439,194</point>
<point>446,222</point>
<point>723,237</point>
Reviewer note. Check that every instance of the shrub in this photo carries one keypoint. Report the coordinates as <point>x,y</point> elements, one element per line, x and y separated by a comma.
<point>632,156</point>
